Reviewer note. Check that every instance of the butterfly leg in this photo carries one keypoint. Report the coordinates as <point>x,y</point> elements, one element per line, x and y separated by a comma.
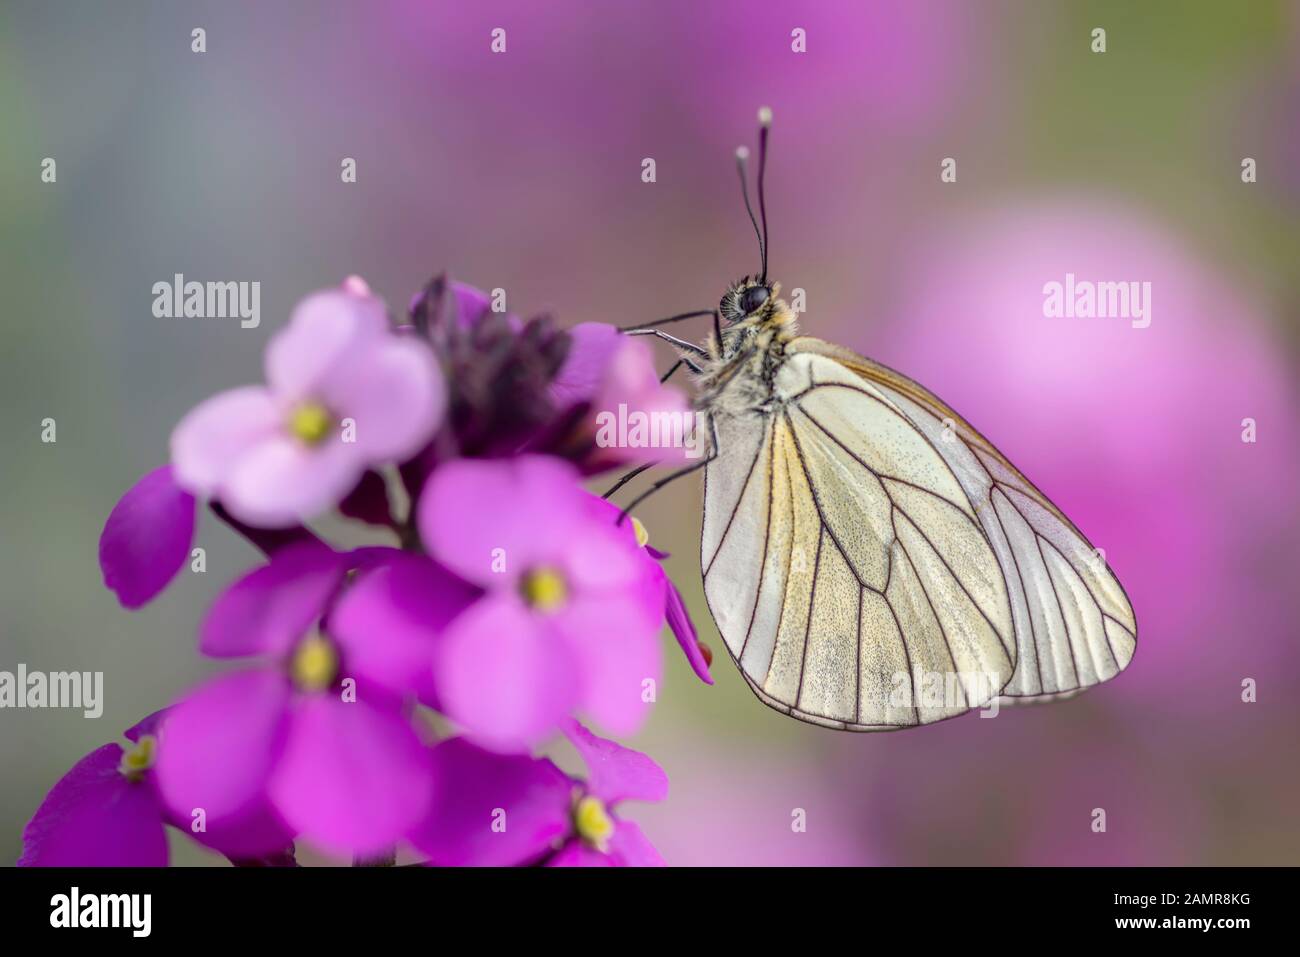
<point>669,374</point>
<point>683,361</point>
<point>679,343</point>
<point>645,327</point>
<point>640,326</point>
<point>627,478</point>
<point>713,454</point>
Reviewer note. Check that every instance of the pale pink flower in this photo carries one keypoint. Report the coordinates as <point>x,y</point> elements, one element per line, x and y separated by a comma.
<point>344,392</point>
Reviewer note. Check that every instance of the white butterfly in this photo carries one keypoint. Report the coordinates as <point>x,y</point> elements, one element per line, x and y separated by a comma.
<point>871,561</point>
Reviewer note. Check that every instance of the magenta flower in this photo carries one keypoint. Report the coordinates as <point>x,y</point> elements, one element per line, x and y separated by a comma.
<point>534,601</point>
<point>344,392</point>
<point>106,812</point>
<point>319,731</point>
<point>506,810</point>
<point>408,601</point>
<point>600,838</point>
<point>148,535</point>
<point>614,375</point>
<point>572,610</point>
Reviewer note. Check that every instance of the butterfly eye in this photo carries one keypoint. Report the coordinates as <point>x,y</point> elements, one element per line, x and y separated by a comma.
<point>753,298</point>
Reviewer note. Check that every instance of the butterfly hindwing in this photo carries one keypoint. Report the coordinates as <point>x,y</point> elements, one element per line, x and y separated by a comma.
<point>1074,625</point>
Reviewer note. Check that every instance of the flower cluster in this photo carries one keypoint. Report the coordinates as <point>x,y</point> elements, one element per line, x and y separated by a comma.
<point>510,603</point>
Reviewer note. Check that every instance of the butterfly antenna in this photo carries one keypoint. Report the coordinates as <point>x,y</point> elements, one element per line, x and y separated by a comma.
<point>742,158</point>
<point>764,124</point>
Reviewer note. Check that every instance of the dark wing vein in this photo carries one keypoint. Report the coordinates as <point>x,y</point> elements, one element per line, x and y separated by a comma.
<point>1033,634</point>
<point>1002,639</point>
<point>1060,609</point>
<point>744,486</point>
<point>881,475</point>
<point>817,504</point>
<point>807,628</point>
<point>933,614</point>
<point>767,533</point>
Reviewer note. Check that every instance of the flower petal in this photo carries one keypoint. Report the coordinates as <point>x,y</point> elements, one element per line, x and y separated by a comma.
<point>493,810</point>
<point>471,304</point>
<point>504,676</point>
<point>96,817</point>
<point>271,607</point>
<point>218,745</point>
<point>615,376</point>
<point>213,437</point>
<point>616,557</point>
<point>616,773</point>
<point>389,621</point>
<point>607,556</point>
<point>577,854</point>
<point>281,481</point>
<point>353,779</point>
<point>618,651</point>
<point>679,620</point>
<point>322,335</point>
<point>254,835</point>
<point>149,724</point>
<point>393,390</point>
<point>630,848</point>
<point>522,510</point>
<point>147,538</point>
<point>591,350</point>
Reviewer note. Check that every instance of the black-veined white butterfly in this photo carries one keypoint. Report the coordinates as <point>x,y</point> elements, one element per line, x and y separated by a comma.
<point>871,561</point>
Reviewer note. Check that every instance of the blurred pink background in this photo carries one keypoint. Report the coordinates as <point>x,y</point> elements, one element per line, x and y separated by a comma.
<point>523,170</point>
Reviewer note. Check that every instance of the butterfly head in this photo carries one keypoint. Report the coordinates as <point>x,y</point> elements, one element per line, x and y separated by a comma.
<point>754,300</point>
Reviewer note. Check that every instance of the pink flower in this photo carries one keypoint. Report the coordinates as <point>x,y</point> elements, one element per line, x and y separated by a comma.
<point>344,393</point>
<point>319,730</point>
<point>106,812</point>
<point>503,810</point>
<point>615,376</point>
<point>600,838</point>
<point>573,607</point>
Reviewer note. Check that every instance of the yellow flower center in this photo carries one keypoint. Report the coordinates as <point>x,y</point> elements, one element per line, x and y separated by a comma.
<point>310,422</point>
<point>139,758</point>
<point>642,536</point>
<point>544,589</point>
<point>315,664</point>
<point>593,823</point>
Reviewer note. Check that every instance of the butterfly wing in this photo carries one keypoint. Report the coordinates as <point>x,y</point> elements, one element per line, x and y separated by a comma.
<point>1074,624</point>
<point>847,571</point>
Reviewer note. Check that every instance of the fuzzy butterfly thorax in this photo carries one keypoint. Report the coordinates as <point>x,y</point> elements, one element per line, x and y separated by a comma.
<point>740,371</point>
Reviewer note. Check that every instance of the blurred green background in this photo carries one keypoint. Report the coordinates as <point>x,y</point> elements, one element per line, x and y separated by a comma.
<point>522,170</point>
